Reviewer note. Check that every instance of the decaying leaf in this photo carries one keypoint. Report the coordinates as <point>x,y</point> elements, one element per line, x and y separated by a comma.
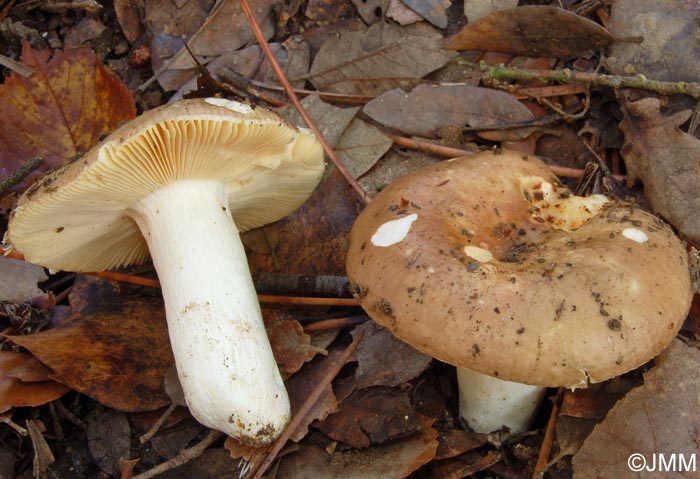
<point>475,9</point>
<point>668,30</point>
<point>380,56</point>
<point>665,159</point>
<point>430,107</point>
<point>331,120</point>
<point>372,416</point>
<point>43,457</point>
<point>384,360</point>
<point>60,111</point>
<point>435,11</point>
<point>660,417</point>
<point>532,31</point>
<point>291,346</point>
<point>361,146</point>
<point>390,461</point>
<point>22,366</point>
<point>114,349</point>
<point>18,280</point>
<point>108,436</point>
<point>16,393</point>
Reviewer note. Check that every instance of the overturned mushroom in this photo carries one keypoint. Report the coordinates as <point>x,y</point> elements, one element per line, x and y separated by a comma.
<point>172,181</point>
<point>487,263</point>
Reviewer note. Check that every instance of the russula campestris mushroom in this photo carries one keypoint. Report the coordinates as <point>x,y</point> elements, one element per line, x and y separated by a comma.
<point>494,267</point>
<point>171,182</point>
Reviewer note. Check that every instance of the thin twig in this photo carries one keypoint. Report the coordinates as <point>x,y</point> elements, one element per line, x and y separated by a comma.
<point>20,173</point>
<point>449,152</point>
<point>566,75</point>
<point>306,407</point>
<point>335,323</point>
<point>184,456</point>
<point>15,66</point>
<point>259,36</point>
<point>548,440</point>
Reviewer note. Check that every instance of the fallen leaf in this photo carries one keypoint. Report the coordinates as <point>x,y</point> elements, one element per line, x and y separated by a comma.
<point>390,461</point>
<point>668,30</point>
<point>435,11</point>
<point>476,9</point>
<point>108,435</point>
<point>43,457</point>
<point>373,61</point>
<point>369,10</point>
<point>465,465</point>
<point>60,111</point>
<point>664,158</point>
<point>16,393</point>
<point>291,346</point>
<point>660,417</point>
<point>430,107</point>
<point>384,360</point>
<point>128,18</point>
<point>214,463</point>
<point>361,146</point>
<point>533,31</point>
<point>394,165</point>
<point>313,239</point>
<point>115,349</point>
<point>401,14</point>
<point>332,121</point>
<point>454,442</point>
<point>18,280</point>
<point>22,366</point>
<point>372,416</point>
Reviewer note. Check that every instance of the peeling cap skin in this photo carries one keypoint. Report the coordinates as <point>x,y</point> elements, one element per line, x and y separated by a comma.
<point>504,272</point>
<point>181,182</point>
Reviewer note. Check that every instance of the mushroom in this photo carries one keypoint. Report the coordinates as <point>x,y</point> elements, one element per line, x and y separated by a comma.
<point>487,263</point>
<point>171,182</point>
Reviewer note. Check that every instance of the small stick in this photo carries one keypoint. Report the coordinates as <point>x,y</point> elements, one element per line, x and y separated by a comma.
<point>158,424</point>
<point>548,440</point>
<point>184,456</point>
<point>20,173</point>
<point>566,75</point>
<point>448,152</point>
<point>306,407</point>
<point>335,323</point>
<point>15,66</point>
<point>259,36</point>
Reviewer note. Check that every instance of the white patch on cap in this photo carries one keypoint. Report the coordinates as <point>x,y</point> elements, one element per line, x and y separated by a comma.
<point>230,104</point>
<point>393,231</point>
<point>635,235</point>
<point>480,254</point>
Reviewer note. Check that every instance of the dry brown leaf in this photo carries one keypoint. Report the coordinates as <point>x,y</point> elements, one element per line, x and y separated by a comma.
<point>454,442</point>
<point>384,360</point>
<point>381,56</point>
<point>369,10</point>
<point>401,14</point>
<point>668,29</point>
<point>532,31</point>
<point>391,461</point>
<point>435,11</point>
<point>43,457</point>
<point>372,416</point>
<point>22,366</point>
<point>108,436</point>
<point>15,393</point>
<point>361,146</point>
<point>660,417</point>
<point>313,239</point>
<point>128,18</point>
<point>114,349</point>
<point>476,9</point>
<point>290,345</point>
<point>665,159</point>
<point>331,120</point>
<point>18,280</point>
<point>60,111</point>
<point>430,107</point>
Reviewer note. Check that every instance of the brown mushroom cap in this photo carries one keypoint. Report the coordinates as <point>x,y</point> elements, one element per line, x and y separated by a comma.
<point>77,217</point>
<point>527,300</point>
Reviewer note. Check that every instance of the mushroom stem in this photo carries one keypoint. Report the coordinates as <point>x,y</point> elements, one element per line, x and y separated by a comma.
<point>488,404</point>
<point>224,360</point>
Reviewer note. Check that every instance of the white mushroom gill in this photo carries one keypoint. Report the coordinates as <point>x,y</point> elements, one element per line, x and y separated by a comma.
<point>393,231</point>
<point>636,235</point>
<point>480,254</point>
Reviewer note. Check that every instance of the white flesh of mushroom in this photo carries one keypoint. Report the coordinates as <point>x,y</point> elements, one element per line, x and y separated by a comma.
<point>488,404</point>
<point>224,359</point>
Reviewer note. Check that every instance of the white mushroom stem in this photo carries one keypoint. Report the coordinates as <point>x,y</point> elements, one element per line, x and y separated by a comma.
<point>223,357</point>
<point>488,404</point>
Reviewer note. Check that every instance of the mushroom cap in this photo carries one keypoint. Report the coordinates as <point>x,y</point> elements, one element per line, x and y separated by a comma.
<point>77,218</point>
<point>466,262</point>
